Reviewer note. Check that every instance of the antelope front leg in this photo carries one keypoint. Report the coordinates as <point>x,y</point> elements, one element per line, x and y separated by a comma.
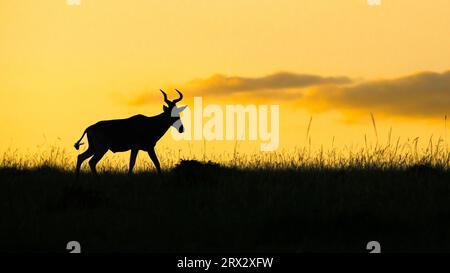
<point>153,157</point>
<point>133,156</point>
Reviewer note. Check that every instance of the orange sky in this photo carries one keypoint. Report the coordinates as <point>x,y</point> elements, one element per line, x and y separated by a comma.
<point>64,67</point>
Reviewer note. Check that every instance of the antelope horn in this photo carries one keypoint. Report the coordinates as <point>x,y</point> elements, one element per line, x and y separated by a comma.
<point>166,100</point>
<point>180,98</point>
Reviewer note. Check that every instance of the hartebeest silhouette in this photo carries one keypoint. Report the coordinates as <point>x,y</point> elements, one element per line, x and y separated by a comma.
<point>134,133</point>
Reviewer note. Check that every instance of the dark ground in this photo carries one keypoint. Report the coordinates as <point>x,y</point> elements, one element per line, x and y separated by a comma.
<point>208,208</point>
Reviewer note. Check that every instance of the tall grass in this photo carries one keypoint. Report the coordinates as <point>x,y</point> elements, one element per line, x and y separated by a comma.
<point>299,200</point>
<point>394,154</point>
<point>391,155</point>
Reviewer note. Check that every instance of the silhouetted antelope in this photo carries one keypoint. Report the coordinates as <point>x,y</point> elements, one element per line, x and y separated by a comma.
<point>134,133</point>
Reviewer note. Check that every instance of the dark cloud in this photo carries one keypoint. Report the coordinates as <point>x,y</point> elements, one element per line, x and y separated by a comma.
<point>274,86</point>
<point>425,94</point>
<point>224,85</point>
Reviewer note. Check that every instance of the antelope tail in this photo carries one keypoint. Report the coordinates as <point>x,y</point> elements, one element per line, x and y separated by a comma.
<point>77,144</point>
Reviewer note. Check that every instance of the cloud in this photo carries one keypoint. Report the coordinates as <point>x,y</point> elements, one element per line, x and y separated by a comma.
<point>424,94</point>
<point>282,85</point>
<point>225,85</point>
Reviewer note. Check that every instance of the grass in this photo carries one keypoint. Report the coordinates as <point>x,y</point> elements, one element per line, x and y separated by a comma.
<point>302,201</point>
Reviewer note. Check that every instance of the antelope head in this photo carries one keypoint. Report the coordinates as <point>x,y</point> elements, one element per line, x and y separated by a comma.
<point>174,110</point>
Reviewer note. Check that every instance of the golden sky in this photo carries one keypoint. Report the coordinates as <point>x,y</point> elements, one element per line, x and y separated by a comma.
<point>65,67</point>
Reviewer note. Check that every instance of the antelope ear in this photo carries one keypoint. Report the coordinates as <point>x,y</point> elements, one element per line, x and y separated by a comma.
<point>177,110</point>
<point>165,108</point>
<point>181,108</point>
